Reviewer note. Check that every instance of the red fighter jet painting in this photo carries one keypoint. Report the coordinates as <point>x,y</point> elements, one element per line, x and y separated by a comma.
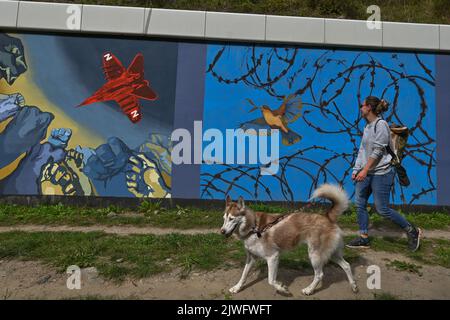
<point>125,86</point>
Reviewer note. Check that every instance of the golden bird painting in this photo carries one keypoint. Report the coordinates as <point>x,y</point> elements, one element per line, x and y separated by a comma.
<point>288,112</point>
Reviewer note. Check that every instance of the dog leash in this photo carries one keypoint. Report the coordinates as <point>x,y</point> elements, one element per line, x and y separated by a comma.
<point>269,225</point>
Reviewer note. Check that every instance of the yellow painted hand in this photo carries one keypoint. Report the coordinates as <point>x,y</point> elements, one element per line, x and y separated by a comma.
<point>59,179</point>
<point>144,178</point>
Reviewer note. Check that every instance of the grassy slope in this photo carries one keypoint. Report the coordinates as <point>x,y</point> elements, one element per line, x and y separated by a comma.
<point>420,11</point>
<point>138,256</point>
<point>151,214</point>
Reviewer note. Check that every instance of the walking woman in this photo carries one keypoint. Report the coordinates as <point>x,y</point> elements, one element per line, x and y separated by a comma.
<point>374,174</point>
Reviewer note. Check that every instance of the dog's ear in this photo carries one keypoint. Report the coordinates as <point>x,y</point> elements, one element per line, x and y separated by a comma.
<point>241,202</point>
<point>228,200</point>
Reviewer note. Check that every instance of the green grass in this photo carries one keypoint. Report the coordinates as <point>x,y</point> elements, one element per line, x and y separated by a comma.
<point>432,251</point>
<point>298,259</point>
<point>435,220</point>
<point>185,218</point>
<point>349,219</point>
<point>147,215</point>
<point>227,295</point>
<point>425,11</point>
<point>429,221</point>
<point>405,266</point>
<point>154,214</point>
<point>140,256</point>
<point>269,208</point>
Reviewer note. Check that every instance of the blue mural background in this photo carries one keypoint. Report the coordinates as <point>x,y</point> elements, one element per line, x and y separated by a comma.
<point>331,88</point>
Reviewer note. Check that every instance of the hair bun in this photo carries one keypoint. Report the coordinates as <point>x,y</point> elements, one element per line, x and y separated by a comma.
<point>383,106</point>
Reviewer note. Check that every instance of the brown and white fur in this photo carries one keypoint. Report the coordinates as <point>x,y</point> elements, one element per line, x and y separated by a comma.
<point>320,232</point>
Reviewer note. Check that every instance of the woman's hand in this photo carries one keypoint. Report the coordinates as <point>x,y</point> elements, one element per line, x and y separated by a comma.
<point>361,175</point>
<point>354,174</point>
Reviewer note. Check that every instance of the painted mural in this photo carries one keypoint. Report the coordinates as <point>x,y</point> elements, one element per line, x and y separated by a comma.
<point>93,116</point>
<point>324,89</point>
<point>71,119</point>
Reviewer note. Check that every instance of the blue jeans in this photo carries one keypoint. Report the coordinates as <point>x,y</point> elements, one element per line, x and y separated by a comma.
<point>380,186</point>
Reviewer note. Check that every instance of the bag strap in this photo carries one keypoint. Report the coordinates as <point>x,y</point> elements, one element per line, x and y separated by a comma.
<point>388,147</point>
<point>375,126</point>
<point>393,155</point>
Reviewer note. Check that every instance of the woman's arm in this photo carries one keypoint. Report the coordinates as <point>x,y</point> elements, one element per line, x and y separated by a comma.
<point>358,163</point>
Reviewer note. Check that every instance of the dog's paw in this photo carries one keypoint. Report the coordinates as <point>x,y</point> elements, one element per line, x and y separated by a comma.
<point>307,291</point>
<point>354,288</point>
<point>235,289</point>
<point>282,289</point>
<point>285,293</point>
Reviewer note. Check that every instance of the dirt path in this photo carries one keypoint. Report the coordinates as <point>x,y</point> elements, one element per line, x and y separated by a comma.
<point>33,280</point>
<point>123,230</point>
<point>131,230</point>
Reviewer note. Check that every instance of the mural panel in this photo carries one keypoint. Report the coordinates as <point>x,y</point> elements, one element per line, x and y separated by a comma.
<point>320,92</point>
<point>93,116</point>
<point>86,116</point>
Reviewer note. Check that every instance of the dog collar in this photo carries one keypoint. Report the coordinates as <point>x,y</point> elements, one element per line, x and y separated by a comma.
<point>256,230</point>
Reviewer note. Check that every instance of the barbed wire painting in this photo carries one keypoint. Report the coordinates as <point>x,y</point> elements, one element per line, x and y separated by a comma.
<point>330,85</point>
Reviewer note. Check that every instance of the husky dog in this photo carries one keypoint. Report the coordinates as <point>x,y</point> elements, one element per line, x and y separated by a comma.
<point>265,236</point>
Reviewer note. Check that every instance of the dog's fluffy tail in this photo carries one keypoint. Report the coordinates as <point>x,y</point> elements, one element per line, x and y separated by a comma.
<point>336,195</point>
